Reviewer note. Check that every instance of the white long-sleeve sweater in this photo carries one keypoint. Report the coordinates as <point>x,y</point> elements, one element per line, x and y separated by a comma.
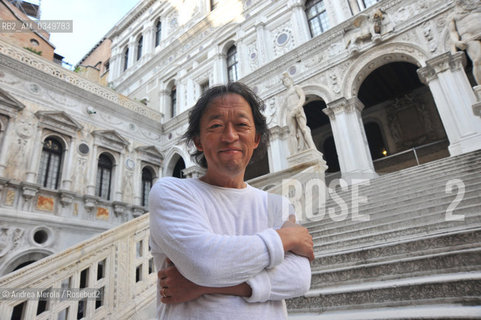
<point>220,237</point>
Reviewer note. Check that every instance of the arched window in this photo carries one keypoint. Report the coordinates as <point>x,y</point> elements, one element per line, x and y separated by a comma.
<point>147,179</point>
<point>126,58</point>
<point>173,101</point>
<point>232,63</point>
<point>50,163</point>
<point>317,17</point>
<point>139,47</point>
<point>104,176</point>
<point>158,31</point>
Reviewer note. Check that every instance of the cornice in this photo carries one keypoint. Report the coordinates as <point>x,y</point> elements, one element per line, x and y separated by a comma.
<point>26,63</point>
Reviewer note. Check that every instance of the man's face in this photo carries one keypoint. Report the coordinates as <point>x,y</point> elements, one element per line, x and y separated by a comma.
<point>227,135</point>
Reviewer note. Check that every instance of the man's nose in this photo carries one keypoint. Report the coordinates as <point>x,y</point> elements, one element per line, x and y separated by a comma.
<point>230,133</point>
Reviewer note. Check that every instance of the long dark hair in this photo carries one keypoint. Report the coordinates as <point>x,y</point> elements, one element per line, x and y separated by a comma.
<point>256,104</point>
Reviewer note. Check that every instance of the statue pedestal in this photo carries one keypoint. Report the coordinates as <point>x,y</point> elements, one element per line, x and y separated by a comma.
<point>477,104</point>
<point>309,157</point>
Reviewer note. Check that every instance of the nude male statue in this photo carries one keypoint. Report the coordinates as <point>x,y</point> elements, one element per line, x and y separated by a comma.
<point>465,32</point>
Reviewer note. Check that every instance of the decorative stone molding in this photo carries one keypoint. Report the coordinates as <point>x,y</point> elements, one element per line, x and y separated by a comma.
<point>66,198</point>
<point>150,154</point>
<point>54,70</point>
<point>120,208</point>
<point>343,105</point>
<point>58,121</point>
<point>90,202</point>
<point>110,139</point>
<point>9,105</point>
<point>137,211</point>
<point>441,63</point>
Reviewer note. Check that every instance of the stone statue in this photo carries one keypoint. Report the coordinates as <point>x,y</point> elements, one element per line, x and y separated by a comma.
<point>299,133</point>
<point>465,32</point>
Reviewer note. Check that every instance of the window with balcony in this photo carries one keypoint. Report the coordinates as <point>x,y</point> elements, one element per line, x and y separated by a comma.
<point>50,164</point>
<point>316,16</point>
<point>232,64</point>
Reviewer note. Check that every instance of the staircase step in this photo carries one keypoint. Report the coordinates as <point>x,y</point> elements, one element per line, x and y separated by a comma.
<point>458,240</point>
<point>403,232</point>
<point>414,266</point>
<point>462,288</point>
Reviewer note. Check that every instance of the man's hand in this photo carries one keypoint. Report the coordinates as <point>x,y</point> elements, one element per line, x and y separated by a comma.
<point>296,238</point>
<point>176,288</point>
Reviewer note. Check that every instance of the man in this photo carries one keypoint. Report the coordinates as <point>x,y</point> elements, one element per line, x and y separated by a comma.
<point>222,247</point>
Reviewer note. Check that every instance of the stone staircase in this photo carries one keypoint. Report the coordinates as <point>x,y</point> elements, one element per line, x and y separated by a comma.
<point>418,256</point>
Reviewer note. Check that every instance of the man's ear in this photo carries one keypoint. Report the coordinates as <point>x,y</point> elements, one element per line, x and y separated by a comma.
<point>257,140</point>
<point>197,143</point>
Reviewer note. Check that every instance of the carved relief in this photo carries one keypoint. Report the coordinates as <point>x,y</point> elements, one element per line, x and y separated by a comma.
<point>283,40</point>
<point>10,238</point>
<point>10,197</point>
<point>253,56</point>
<point>271,112</point>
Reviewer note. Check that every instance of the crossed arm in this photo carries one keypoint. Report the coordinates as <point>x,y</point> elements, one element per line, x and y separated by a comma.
<point>295,239</point>
<point>206,262</point>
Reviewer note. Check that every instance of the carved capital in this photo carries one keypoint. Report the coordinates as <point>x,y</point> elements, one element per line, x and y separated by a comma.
<point>137,211</point>
<point>343,105</point>
<point>66,198</point>
<point>119,208</point>
<point>29,190</point>
<point>90,202</point>
<point>442,63</point>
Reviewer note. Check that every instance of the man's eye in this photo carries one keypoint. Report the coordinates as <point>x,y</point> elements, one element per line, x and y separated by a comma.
<point>215,126</point>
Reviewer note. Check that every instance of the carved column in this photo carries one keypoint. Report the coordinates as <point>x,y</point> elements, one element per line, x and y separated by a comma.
<point>164,103</point>
<point>278,149</point>
<point>220,69</point>
<point>149,39</point>
<point>454,99</point>
<point>262,49</point>
<point>92,173</point>
<point>350,138</point>
<point>301,30</point>
<point>9,134</point>
<point>119,172</point>
<point>35,159</point>
<point>67,167</point>
<point>132,52</point>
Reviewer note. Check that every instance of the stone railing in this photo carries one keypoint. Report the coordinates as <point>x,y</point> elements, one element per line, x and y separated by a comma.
<point>110,276</point>
<point>68,76</point>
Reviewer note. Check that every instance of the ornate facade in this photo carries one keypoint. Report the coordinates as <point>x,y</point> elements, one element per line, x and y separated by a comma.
<point>384,89</point>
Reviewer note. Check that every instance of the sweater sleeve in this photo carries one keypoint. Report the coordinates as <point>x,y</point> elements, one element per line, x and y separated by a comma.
<point>291,278</point>
<point>181,230</point>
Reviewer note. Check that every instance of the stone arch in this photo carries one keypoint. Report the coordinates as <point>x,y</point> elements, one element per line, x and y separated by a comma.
<point>227,46</point>
<point>24,257</point>
<point>318,90</point>
<point>377,57</point>
<point>173,155</point>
